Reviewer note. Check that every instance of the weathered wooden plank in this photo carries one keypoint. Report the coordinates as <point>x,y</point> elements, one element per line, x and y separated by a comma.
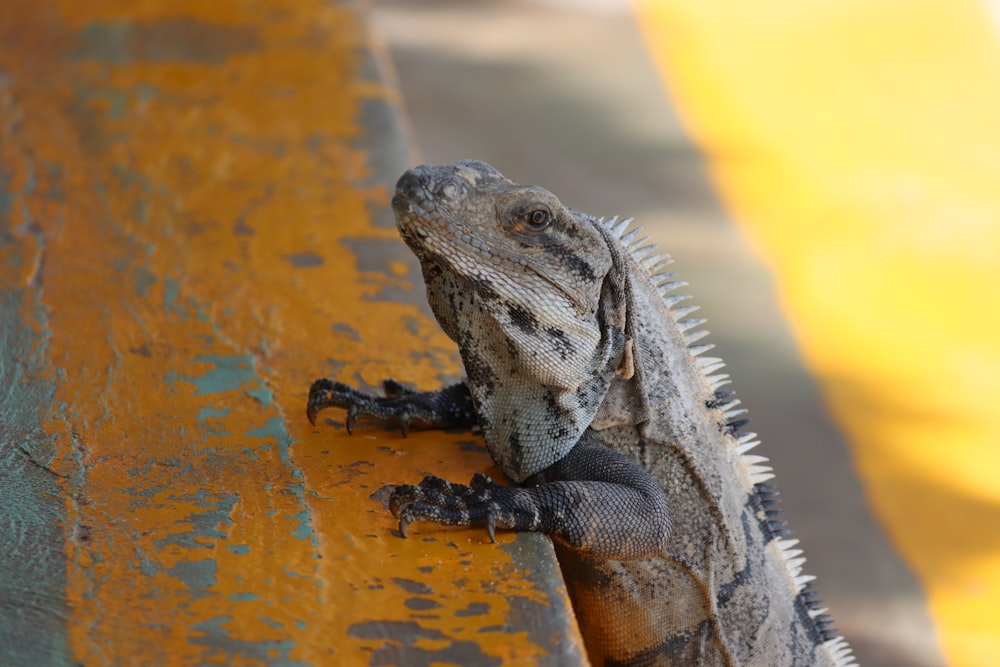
<point>194,224</point>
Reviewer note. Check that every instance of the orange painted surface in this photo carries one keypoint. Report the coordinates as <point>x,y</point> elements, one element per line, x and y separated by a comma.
<point>192,193</point>
<point>857,142</point>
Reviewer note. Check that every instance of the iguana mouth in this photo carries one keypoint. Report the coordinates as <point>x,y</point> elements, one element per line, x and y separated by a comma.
<point>408,188</point>
<point>410,194</point>
<point>414,204</point>
<point>417,203</point>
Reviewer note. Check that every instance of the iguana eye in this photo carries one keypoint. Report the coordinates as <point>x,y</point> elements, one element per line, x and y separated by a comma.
<point>528,219</point>
<point>538,219</point>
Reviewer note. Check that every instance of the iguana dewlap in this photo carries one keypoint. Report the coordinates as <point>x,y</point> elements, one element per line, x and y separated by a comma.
<point>591,391</point>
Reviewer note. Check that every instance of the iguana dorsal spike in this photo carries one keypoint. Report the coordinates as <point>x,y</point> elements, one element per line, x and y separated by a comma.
<point>629,238</point>
<point>694,337</point>
<point>684,311</point>
<point>673,299</point>
<point>685,325</point>
<point>700,349</point>
<point>616,227</point>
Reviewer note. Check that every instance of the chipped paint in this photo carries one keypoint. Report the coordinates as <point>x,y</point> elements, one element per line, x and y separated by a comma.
<point>32,559</point>
<point>182,39</point>
<point>187,193</point>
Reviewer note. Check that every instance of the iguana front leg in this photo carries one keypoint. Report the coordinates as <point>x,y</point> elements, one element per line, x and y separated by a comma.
<point>594,500</point>
<point>450,407</point>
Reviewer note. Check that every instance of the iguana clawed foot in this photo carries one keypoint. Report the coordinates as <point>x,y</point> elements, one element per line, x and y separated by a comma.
<point>445,408</point>
<point>434,499</point>
<point>444,502</point>
<point>386,409</point>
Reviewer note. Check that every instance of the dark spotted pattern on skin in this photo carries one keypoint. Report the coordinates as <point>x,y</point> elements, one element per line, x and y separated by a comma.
<point>522,318</point>
<point>561,343</point>
<point>575,263</point>
<point>479,372</point>
<point>484,290</point>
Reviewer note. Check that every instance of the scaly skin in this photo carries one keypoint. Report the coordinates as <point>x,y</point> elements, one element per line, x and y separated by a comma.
<point>591,394</point>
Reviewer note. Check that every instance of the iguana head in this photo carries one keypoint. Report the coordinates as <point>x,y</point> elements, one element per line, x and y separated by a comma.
<point>467,216</point>
<point>527,289</point>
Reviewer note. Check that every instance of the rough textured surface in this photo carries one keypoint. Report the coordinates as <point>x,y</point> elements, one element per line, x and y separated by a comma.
<point>577,353</point>
<point>187,194</point>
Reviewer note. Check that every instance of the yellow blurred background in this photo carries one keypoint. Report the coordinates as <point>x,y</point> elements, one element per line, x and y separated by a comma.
<point>858,144</point>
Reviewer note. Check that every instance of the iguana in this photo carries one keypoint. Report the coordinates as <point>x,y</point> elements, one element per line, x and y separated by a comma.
<point>590,387</point>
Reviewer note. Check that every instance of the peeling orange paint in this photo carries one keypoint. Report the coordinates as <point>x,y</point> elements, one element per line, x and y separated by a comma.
<point>193,196</point>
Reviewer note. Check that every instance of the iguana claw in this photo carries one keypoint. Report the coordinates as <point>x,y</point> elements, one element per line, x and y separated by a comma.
<point>352,418</point>
<point>401,406</point>
<point>444,502</point>
<point>404,524</point>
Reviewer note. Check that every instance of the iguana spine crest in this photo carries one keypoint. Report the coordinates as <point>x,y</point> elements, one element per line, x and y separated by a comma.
<point>756,474</point>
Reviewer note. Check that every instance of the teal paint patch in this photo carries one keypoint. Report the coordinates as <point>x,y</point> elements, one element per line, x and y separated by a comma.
<point>228,373</point>
<point>6,201</point>
<point>244,597</point>
<point>231,373</point>
<point>222,646</point>
<point>271,622</point>
<point>113,101</point>
<point>207,413</point>
<point>171,298</point>
<point>129,179</point>
<point>144,280</point>
<point>146,566</point>
<point>33,607</point>
<point>171,40</point>
<point>28,221</point>
<point>103,41</point>
<point>213,432</point>
<point>239,549</point>
<point>262,395</point>
<point>275,428</point>
<point>197,575</point>
<point>304,260</point>
<point>304,530</point>
<point>206,527</point>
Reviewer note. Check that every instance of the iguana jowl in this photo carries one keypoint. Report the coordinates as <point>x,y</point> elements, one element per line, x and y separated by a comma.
<point>592,394</point>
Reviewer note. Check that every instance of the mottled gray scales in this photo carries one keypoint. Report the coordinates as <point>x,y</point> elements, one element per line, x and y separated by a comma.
<point>522,319</point>
<point>585,379</point>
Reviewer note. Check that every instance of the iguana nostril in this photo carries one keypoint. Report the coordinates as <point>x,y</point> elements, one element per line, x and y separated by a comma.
<point>410,186</point>
<point>451,189</point>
